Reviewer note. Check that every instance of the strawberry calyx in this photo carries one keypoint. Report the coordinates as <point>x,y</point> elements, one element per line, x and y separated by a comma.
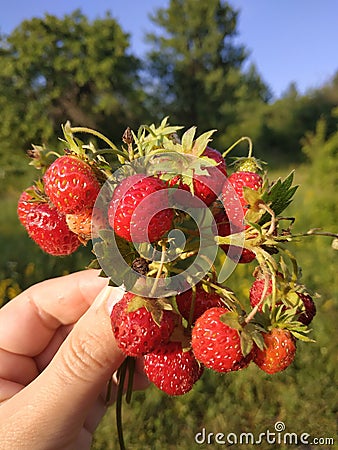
<point>156,307</point>
<point>250,333</point>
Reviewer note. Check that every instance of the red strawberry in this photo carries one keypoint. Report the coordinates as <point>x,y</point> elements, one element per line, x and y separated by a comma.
<point>172,369</point>
<point>205,187</point>
<point>239,180</point>
<point>25,205</point>
<point>310,309</point>
<point>152,219</point>
<point>136,331</point>
<point>203,301</point>
<point>233,195</point>
<point>48,228</point>
<point>216,345</point>
<point>279,351</point>
<point>257,289</point>
<point>225,228</point>
<point>71,185</point>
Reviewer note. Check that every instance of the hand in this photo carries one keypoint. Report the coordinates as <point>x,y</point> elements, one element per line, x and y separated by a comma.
<point>57,354</point>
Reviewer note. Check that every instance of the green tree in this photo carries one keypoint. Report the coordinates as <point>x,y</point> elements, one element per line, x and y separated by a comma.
<point>281,125</point>
<point>195,65</point>
<point>57,69</point>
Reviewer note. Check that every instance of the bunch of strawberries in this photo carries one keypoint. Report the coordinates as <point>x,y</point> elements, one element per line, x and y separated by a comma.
<point>169,209</point>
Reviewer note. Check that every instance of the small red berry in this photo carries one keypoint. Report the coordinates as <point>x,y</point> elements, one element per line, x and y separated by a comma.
<point>49,229</point>
<point>279,351</point>
<point>172,369</point>
<point>257,289</point>
<point>152,219</point>
<point>216,345</point>
<point>71,184</point>
<point>203,301</point>
<point>136,331</point>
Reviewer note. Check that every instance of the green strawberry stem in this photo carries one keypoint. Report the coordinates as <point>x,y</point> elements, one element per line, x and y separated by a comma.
<point>131,371</point>
<point>192,306</point>
<point>243,138</point>
<point>273,221</point>
<point>101,136</point>
<point>109,390</point>
<point>121,376</point>
<point>159,270</point>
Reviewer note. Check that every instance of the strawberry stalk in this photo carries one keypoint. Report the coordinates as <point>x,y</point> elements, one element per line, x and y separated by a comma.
<point>128,365</point>
<point>243,138</point>
<point>121,376</point>
<point>102,137</point>
<point>159,270</point>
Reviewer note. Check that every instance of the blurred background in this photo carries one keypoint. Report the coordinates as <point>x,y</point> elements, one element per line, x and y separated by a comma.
<point>262,69</point>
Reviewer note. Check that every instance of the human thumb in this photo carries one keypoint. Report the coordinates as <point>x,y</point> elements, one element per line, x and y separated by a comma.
<point>89,356</point>
<point>63,394</point>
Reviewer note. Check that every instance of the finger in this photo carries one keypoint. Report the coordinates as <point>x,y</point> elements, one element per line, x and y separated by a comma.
<point>61,396</point>
<point>17,368</point>
<point>29,321</point>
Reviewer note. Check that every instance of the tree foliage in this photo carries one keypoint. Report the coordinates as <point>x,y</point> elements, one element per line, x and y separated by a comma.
<point>196,65</point>
<point>58,69</point>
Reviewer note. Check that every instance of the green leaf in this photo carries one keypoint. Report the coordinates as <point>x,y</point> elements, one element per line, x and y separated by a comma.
<point>246,343</point>
<point>188,139</point>
<point>202,142</point>
<point>279,196</point>
<point>232,320</point>
<point>301,337</point>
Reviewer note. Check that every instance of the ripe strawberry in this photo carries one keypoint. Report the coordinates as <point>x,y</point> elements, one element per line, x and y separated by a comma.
<point>241,179</point>
<point>136,331</point>
<point>203,301</point>
<point>153,218</point>
<point>310,309</point>
<point>233,195</point>
<point>205,187</point>
<point>172,369</point>
<point>71,185</point>
<point>225,228</point>
<point>257,289</point>
<point>25,205</point>
<point>216,345</point>
<point>306,312</point>
<point>48,228</point>
<point>279,351</point>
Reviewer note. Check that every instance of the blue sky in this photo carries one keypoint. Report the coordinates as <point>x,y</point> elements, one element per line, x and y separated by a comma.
<point>289,40</point>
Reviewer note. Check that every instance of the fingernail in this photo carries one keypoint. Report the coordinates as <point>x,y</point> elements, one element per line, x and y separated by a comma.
<point>114,296</point>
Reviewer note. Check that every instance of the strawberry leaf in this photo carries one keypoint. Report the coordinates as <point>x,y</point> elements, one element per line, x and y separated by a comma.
<point>201,143</point>
<point>231,319</point>
<point>188,139</point>
<point>279,196</point>
<point>246,343</point>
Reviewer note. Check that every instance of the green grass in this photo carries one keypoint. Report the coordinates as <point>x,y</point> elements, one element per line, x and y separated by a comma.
<point>304,397</point>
